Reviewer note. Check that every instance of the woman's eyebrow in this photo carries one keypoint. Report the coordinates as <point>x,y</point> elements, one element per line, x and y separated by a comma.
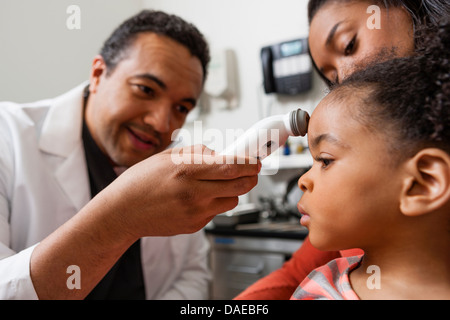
<point>332,33</point>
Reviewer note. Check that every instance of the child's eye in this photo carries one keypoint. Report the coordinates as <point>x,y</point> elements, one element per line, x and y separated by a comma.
<point>325,162</point>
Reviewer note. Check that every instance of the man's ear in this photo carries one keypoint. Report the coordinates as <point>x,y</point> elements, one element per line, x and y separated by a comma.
<point>97,70</point>
<point>426,186</point>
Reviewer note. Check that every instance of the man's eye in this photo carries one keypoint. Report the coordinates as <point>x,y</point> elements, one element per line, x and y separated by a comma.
<point>183,109</point>
<point>147,90</point>
<point>349,48</point>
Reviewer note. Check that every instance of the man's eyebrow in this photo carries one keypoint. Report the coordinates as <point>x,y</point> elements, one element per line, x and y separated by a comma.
<point>191,101</point>
<point>153,78</point>
<point>315,141</point>
<point>332,33</point>
<point>163,86</point>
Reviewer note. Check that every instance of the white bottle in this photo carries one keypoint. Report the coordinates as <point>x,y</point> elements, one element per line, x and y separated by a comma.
<point>269,134</point>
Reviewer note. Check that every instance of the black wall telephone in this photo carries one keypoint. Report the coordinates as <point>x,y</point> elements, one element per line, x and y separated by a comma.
<point>287,67</point>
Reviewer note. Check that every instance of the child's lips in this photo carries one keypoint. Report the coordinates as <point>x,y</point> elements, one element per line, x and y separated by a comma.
<point>304,221</point>
<point>301,209</point>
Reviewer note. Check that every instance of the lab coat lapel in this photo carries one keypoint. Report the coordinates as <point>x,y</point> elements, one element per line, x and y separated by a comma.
<point>61,137</point>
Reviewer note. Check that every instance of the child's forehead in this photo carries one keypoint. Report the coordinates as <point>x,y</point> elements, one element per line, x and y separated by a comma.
<point>334,130</point>
<point>338,103</point>
<point>338,112</point>
<point>345,103</point>
<point>328,116</point>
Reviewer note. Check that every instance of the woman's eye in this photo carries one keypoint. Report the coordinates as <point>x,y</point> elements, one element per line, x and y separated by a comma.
<point>349,48</point>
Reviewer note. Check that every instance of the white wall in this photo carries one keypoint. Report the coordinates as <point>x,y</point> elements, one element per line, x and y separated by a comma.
<point>245,26</point>
<point>39,56</point>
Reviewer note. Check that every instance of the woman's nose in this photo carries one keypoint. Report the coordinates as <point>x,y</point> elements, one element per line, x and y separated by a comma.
<point>339,71</point>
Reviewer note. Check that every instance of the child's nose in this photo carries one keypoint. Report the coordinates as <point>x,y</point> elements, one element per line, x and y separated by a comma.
<point>305,183</point>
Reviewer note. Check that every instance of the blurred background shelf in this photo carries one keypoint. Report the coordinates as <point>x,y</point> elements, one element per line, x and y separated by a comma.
<point>293,161</point>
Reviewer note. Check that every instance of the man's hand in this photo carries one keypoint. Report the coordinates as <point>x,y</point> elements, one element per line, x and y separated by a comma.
<point>164,196</point>
<point>156,197</point>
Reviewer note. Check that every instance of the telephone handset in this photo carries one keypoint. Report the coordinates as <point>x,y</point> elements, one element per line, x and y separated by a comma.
<point>267,58</point>
<point>287,67</point>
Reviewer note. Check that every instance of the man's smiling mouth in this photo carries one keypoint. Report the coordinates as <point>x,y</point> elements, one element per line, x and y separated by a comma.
<point>142,140</point>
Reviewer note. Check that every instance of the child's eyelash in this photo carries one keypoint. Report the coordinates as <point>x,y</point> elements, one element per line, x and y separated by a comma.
<point>325,161</point>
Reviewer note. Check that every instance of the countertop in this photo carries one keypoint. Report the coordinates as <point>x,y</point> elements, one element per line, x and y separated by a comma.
<point>269,229</point>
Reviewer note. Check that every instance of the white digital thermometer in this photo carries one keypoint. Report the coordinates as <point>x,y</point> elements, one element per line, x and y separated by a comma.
<point>268,134</point>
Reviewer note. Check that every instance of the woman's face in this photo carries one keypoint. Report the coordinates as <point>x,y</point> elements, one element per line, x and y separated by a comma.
<point>344,37</point>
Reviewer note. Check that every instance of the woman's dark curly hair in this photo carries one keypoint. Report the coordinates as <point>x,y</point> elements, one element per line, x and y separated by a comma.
<point>423,13</point>
<point>407,97</point>
<point>115,47</point>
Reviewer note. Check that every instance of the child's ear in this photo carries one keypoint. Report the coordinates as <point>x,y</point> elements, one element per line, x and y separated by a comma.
<point>427,183</point>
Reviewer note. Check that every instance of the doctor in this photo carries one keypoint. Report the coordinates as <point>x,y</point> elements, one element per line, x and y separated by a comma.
<point>70,227</point>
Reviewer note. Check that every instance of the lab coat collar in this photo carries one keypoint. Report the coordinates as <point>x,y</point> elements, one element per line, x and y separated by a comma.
<point>61,136</point>
<point>64,120</point>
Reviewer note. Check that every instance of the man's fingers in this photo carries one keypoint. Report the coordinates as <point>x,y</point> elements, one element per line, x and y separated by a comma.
<point>221,205</point>
<point>201,193</point>
<point>228,188</point>
<point>203,164</point>
<point>194,149</point>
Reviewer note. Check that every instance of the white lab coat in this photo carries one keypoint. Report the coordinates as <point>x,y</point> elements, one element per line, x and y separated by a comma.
<point>44,182</point>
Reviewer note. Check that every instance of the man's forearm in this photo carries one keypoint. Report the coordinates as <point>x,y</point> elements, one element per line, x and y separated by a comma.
<point>90,241</point>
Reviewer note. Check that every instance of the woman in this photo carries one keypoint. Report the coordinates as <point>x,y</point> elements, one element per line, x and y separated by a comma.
<point>342,41</point>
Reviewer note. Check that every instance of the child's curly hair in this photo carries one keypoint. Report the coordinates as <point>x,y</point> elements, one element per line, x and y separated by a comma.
<point>408,97</point>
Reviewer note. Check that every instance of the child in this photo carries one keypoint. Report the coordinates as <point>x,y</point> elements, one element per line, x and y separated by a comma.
<point>381,180</point>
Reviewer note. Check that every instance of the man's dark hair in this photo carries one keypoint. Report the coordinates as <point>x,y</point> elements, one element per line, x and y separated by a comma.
<point>115,47</point>
<point>408,97</point>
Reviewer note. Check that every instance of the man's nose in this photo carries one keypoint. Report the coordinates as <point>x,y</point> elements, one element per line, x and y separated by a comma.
<point>159,117</point>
